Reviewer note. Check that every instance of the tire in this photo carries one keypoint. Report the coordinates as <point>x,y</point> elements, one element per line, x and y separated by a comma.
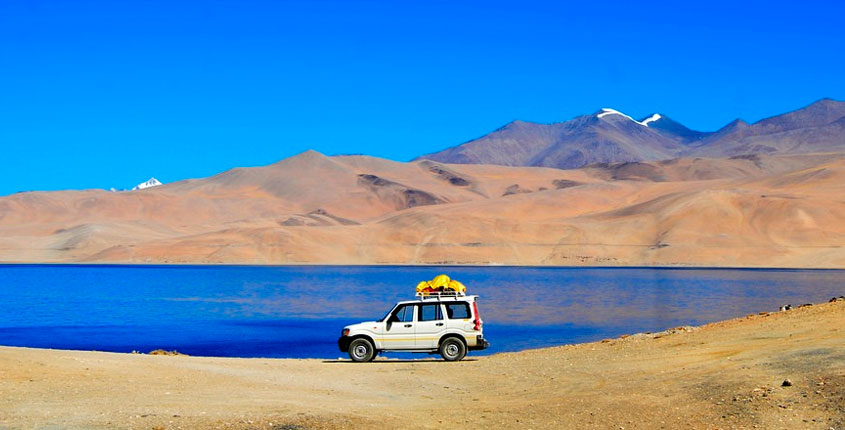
<point>453,349</point>
<point>361,350</point>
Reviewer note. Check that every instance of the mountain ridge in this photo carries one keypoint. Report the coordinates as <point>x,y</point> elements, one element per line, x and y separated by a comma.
<point>609,136</point>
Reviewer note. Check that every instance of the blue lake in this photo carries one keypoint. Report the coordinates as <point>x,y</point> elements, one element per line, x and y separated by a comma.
<point>283,311</point>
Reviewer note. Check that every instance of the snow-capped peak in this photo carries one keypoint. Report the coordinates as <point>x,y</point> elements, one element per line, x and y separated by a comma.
<point>652,118</point>
<point>153,182</point>
<point>607,111</point>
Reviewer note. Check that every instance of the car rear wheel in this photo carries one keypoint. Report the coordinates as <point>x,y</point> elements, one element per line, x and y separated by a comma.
<point>452,349</point>
<point>361,350</point>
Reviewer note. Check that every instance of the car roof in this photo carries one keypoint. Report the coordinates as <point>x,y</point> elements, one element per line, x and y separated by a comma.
<point>448,299</point>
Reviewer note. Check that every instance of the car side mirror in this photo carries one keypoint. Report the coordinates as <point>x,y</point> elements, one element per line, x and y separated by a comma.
<point>387,326</point>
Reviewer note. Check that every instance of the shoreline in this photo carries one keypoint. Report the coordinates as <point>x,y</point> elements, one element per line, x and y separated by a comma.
<point>491,266</point>
<point>770,370</point>
<point>656,334</point>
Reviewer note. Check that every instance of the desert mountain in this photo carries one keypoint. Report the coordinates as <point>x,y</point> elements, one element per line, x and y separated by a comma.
<point>760,210</point>
<point>609,136</point>
<point>819,127</point>
<point>606,136</point>
<point>673,129</point>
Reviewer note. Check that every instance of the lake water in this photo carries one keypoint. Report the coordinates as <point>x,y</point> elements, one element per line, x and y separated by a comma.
<point>248,311</point>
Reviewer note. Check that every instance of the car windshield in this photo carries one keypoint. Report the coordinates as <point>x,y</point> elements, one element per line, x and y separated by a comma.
<point>386,316</point>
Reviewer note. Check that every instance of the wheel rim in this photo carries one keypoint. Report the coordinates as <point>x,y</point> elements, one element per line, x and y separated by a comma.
<point>452,350</point>
<point>360,351</point>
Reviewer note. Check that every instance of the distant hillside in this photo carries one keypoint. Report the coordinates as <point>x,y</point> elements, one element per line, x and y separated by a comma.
<point>609,136</point>
<point>749,210</point>
<point>606,136</point>
<point>819,127</point>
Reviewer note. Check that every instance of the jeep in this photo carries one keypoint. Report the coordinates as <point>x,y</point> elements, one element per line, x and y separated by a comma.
<point>448,324</point>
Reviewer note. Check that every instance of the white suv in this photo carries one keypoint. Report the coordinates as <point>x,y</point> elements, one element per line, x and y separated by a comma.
<point>448,324</point>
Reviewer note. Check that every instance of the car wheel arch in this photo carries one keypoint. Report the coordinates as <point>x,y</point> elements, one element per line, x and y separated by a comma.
<point>364,336</point>
<point>455,335</point>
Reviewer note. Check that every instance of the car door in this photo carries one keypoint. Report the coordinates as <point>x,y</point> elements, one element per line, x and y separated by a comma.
<point>430,325</point>
<point>399,328</point>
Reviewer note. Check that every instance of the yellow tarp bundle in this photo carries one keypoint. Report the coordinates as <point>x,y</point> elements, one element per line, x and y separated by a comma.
<point>441,283</point>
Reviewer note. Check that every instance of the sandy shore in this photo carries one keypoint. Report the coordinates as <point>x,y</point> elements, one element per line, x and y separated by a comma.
<point>723,375</point>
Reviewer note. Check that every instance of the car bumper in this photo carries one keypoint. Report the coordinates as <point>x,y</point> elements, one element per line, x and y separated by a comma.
<point>343,343</point>
<point>480,343</point>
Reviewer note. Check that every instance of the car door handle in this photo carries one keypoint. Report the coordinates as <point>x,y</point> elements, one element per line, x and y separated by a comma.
<point>439,324</point>
<point>407,325</point>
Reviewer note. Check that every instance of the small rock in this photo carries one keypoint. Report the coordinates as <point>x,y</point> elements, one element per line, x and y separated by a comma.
<point>786,383</point>
<point>785,308</point>
<point>165,352</point>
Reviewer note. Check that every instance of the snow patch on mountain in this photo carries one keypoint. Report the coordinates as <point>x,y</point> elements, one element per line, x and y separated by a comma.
<point>608,111</point>
<point>652,118</point>
<point>153,182</point>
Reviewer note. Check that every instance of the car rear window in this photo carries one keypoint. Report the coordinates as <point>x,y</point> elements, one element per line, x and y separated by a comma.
<point>457,311</point>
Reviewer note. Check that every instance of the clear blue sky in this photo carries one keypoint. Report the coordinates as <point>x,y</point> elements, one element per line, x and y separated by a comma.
<point>98,94</point>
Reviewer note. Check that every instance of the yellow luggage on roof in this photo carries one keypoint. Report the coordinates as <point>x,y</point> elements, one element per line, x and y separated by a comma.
<point>457,286</point>
<point>441,283</point>
<point>422,286</point>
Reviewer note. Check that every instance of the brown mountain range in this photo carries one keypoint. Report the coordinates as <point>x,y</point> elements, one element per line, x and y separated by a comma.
<point>609,136</point>
<point>760,210</point>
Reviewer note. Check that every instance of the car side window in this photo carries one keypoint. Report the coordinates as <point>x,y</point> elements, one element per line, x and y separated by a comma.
<point>404,313</point>
<point>457,311</point>
<point>409,313</point>
<point>430,312</point>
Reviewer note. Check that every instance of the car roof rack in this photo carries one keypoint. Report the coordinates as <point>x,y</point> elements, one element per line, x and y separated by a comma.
<point>437,295</point>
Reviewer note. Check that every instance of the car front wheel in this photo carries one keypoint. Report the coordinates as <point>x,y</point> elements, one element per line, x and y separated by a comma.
<point>361,350</point>
<point>452,349</point>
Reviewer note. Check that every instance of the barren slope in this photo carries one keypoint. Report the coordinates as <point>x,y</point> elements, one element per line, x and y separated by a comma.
<point>764,211</point>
